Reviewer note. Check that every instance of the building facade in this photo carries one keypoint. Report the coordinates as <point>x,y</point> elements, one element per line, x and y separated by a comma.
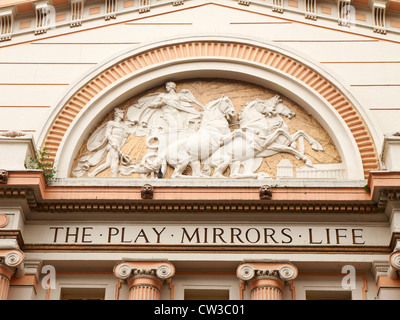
<point>186,150</point>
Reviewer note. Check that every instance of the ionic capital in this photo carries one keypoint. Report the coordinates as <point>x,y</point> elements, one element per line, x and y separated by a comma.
<point>139,269</point>
<point>266,280</point>
<point>394,260</point>
<point>11,258</point>
<point>260,270</point>
<point>145,279</point>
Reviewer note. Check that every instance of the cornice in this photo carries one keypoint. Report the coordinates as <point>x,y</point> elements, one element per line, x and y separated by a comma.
<point>30,186</point>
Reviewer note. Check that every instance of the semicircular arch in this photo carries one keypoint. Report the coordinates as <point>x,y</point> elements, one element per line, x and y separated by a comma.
<point>144,67</point>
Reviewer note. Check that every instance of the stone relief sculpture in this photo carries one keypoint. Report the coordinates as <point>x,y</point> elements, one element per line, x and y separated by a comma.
<point>107,141</point>
<point>163,111</point>
<point>183,133</point>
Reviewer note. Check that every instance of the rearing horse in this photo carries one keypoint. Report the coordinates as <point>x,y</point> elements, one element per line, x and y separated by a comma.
<point>267,122</point>
<point>262,133</point>
<point>191,150</point>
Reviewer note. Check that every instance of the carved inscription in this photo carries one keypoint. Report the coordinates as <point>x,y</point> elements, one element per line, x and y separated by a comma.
<point>208,235</point>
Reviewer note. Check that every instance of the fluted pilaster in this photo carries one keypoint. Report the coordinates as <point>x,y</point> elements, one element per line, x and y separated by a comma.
<point>144,279</point>
<point>266,280</point>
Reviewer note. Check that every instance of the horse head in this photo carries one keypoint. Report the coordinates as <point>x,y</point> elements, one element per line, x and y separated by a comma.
<point>268,107</point>
<point>283,110</point>
<point>227,108</point>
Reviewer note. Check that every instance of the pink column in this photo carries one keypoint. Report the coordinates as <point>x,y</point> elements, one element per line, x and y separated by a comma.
<point>9,261</point>
<point>145,279</point>
<point>141,288</point>
<point>5,277</point>
<point>266,280</point>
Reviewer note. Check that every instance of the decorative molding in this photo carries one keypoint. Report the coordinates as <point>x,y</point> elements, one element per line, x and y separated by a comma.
<point>11,258</point>
<point>344,12</point>
<point>3,176</point>
<point>379,269</point>
<point>3,220</point>
<point>147,191</point>
<point>77,7</point>
<point>145,279</point>
<point>204,207</point>
<point>160,270</point>
<point>31,187</point>
<point>44,14</point>
<point>266,280</point>
<point>6,23</point>
<point>266,192</point>
<point>13,134</point>
<point>277,6</point>
<point>311,9</point>
<point>379,16</point>
<point>110,9</point>
<point>258,270</point>
<point>144,6</point>
<point>23,193</point>
<point>180,206</point>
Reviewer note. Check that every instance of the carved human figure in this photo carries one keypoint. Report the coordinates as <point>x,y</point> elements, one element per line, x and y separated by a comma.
<point>165,111</point>
<point>116,134</point>
<point>107,141</point>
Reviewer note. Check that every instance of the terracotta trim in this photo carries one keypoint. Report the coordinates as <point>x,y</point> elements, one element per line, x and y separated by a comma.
<point>143,281</point>
<point>3,220</point>
<point>172,289</point>
<point>117,288</point>
<point>357,62</point>
<point>254,284</point>
<point>48,293</point>
<point>35,179</point>
<point>241,290</point>
<point>231,50</point>
<point>27,280</point>
<point>293,289</point>
<point>386,282</point>
<point>6,272</point>
<point>364,287</point>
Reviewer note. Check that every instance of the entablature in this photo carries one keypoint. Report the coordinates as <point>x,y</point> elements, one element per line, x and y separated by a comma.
<point>101,196</point>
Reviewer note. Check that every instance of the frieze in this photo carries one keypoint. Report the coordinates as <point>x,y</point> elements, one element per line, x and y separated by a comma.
<point>217,234</point>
